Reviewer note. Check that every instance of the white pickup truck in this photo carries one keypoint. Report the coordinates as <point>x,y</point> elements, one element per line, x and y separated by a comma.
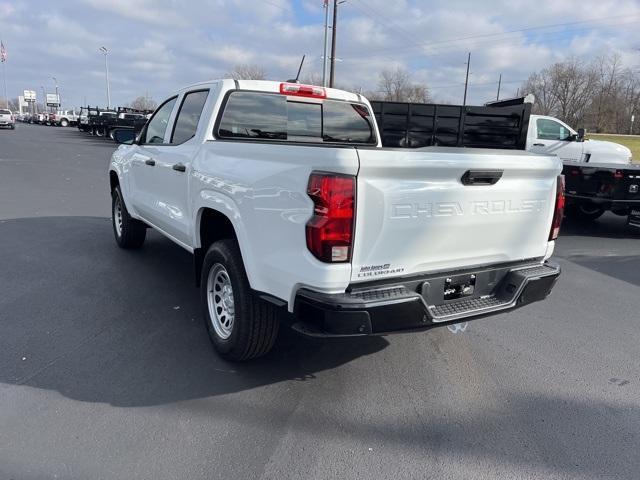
<point>7,119</point>
<point>552,136</point>
<point>289,203</point>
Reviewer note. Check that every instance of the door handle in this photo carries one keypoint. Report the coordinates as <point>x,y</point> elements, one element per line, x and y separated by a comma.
<point>179,167</point>
<point>539,145</point>
<point>150,162</point>
<point>481,177</point>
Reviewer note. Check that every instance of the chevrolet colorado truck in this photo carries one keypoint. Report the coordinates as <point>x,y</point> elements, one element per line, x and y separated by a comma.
<point>294,210</point>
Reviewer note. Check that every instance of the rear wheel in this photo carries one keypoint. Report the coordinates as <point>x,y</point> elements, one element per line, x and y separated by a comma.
<point>241,326</point>
<point>129,232</point>
<point>64,122</point>
<point>99,132</point>
<point>585,211</point>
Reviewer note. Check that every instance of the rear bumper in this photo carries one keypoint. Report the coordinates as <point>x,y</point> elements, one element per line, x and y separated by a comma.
<point>605,202</point>
<point>417,304</point>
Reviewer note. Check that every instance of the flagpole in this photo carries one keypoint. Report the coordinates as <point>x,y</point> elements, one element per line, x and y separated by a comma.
<point>3,58</point>
<point>4,74</point>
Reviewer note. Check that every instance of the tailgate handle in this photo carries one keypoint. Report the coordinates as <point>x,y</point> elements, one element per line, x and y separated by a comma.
<point>481,177</point>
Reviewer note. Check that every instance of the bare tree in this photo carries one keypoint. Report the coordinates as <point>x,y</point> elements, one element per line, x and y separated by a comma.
<point>247,72</point>
<point>574,86</point>
<point>313,78</point>
<point>541,85</point>
<point>565,90</point>
<point>601,96</point>
<point>397,86</point>
<point>143,103</point>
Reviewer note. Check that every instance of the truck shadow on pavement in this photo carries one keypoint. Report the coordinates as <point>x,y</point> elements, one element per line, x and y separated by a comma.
<point>99,324</point>
<point>607,226</point>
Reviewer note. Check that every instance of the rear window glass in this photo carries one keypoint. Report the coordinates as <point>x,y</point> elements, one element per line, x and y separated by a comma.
<point>5,112</point>
<point>255,115</point>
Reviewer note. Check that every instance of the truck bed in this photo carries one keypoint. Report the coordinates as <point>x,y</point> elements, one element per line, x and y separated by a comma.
<point>415,125</point>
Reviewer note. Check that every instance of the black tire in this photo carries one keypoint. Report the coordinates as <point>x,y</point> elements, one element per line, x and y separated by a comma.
<point>99,132</point>
<point>129,233</point>
<point>255,324</point>
<point>585,211</point>
<point>64,122</point>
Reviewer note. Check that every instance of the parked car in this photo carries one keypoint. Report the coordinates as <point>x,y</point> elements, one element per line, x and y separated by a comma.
<point>64,118</point>
<point>7,119</point>
<point>291,205</point>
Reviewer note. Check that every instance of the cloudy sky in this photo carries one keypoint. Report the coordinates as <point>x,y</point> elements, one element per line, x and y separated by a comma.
<point>157,46</point>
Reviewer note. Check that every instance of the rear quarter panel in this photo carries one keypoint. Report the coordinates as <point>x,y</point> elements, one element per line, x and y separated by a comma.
<point>262,189</point>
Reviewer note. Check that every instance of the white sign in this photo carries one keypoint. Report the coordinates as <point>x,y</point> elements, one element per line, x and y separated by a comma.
<point>53,100</point>
<point>29,96</point>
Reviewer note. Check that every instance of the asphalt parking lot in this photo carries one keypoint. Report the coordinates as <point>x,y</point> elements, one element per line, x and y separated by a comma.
<point>106,370</point>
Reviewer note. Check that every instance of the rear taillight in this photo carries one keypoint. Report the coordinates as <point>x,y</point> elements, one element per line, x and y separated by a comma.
<point>559,209</point>
<point>330,230</point>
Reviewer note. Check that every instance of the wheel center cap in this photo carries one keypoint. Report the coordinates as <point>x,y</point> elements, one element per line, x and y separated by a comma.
<point>227,297</point>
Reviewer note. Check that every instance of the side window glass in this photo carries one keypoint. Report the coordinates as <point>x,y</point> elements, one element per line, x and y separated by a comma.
<point>551,130</point>
<point>158,124</point>
<point>189,116</point>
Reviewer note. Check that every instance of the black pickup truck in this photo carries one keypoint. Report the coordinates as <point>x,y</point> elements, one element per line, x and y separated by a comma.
<point>102,122</point>
<point>125,117</point>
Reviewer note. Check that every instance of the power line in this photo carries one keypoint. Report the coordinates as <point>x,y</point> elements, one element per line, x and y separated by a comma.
<point>405,33</point>
<point>507,36</point>
<point>365,57</point>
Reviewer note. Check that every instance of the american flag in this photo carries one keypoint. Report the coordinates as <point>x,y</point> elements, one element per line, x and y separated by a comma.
<point>3,53</point>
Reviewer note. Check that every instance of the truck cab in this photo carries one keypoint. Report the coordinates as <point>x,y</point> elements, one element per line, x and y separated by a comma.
<point>548,135</point>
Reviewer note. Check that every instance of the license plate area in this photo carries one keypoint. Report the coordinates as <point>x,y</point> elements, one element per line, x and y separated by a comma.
<point>459,287</point>
<point>451,288</point>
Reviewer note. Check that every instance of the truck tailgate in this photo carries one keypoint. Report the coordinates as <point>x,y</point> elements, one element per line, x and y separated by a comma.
<point>414,213</point>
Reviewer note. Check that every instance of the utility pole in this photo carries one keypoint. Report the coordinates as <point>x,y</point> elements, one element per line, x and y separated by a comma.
<point>325,59</point>
<point>466,82</point>
<point>633,117</point>
<point>105,52</point>
<point>334,29</point>
<point>499,83</point>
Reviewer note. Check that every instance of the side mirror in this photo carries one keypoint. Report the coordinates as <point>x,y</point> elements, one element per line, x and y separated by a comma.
<point>125,136</point>
<point>581,134</point>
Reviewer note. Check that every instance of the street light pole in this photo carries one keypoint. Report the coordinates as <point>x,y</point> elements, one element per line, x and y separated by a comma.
<point>44,100</point>
<point>57,94</point>
<point>105,52</point>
